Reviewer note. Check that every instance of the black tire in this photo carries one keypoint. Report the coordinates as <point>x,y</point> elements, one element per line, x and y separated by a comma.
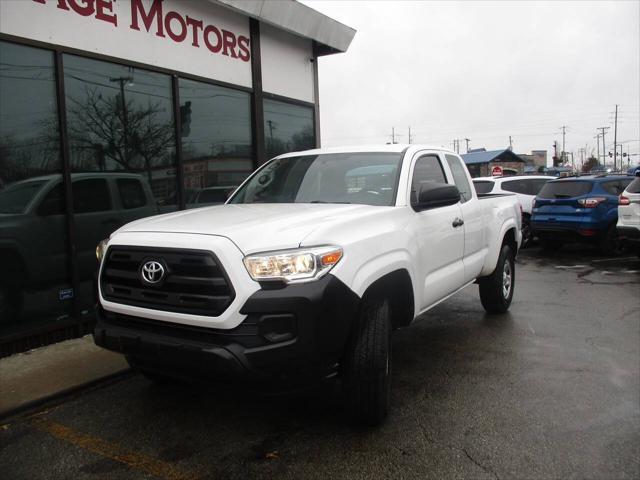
<point>611,245</point>
<point>367,364</point>
<point>496,290</point>
<point>527,233</point>
<point>10,303</point>
<point>550,245</point>
<point>153,377</point>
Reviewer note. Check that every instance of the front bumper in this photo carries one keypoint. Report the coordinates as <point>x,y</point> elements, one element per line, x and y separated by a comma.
<point>291,332</point>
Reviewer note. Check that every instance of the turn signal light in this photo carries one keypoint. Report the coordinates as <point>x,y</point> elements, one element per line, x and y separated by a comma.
<point>622,200</point>
<point>331,258</point>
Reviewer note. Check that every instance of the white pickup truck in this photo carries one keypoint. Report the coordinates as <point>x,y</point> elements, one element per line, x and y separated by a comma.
<point>306,270</point>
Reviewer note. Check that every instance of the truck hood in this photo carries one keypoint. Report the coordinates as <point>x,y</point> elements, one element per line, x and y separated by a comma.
<point>253,227</point>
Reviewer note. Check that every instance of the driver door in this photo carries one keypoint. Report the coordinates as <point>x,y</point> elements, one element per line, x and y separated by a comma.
<point>440,243</point>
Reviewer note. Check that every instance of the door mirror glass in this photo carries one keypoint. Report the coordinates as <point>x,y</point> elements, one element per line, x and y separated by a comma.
<point>437,196</point>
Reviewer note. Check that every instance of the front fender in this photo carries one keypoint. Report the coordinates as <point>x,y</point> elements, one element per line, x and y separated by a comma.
<point>360,278</point>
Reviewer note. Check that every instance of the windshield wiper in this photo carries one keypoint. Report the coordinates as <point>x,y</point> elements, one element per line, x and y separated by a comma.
<point>322,201</point>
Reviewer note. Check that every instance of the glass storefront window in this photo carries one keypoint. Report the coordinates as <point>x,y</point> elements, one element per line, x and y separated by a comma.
<point>34,274</point>
<point>122,145</point>
<point>287,128</point>
<point>216,141</point>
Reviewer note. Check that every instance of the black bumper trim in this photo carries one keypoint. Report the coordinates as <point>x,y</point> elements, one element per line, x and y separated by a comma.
<point>296,331</point>
<point>629,233</point>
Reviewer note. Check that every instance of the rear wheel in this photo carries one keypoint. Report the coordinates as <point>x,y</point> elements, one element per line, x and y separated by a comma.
<point>611,245</point>
<point>367,365</point>
<point>496,290</point>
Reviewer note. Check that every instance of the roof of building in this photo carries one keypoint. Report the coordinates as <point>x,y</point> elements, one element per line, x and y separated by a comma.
<point>475,157</point>
<point>330,35</point>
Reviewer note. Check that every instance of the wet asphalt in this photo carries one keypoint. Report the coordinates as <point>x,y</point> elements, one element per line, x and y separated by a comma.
<point>549,390</point>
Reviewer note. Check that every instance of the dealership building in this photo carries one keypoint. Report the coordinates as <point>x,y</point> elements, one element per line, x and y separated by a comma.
<point>112,110</point>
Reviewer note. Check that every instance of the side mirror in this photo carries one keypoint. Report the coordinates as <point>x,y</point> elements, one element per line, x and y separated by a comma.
<point>441,196</point>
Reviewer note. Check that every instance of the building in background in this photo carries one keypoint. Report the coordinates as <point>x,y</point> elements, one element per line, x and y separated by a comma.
<point>535,162</point>
<point>481,162</point>
<point>115,110</point>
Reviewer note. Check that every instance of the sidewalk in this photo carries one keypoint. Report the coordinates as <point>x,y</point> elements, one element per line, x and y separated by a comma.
<point>41,374</point>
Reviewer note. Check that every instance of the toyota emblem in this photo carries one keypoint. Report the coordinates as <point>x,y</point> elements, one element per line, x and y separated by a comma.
<point>152,272</point>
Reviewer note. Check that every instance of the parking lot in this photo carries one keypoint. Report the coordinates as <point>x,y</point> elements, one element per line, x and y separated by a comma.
<point>549,390</point>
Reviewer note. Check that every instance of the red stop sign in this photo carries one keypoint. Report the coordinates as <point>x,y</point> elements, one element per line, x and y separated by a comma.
<point>496,171</point>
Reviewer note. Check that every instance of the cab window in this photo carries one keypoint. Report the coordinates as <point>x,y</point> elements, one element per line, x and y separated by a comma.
<point>427,174</point>
<point>91,195</point>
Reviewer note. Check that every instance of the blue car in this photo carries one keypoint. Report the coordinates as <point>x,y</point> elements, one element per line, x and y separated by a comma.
<point>579,209</point>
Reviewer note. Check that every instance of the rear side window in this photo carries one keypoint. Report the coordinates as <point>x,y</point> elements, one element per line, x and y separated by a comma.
<point>131,193</point>
<point>91,195</point>
<point>517,186</point>
<point>483,186</point>
<point>634,187</point>
<point>565,189</point>
<point>459,177</point>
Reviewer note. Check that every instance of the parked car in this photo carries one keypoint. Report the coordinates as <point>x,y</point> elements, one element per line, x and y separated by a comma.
<point>33,249</point>
<point>579,209</point>
<point>306,270</point>
<point>629,215</point>
<point>526,187</point>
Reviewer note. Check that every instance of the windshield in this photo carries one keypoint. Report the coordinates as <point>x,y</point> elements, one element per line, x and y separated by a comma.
<point>16,197</point>
<point>364,178</point>
<point>564,189</point>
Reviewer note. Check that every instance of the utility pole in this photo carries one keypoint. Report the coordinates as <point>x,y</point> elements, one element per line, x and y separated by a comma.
<point>467,140</point>
<point>510,143</point>
<point>564,132</point>
<point>604,147</point>
<point>410,137</point>
<point>597,137</point>
<point>615,141</point>
<point>456,145</point>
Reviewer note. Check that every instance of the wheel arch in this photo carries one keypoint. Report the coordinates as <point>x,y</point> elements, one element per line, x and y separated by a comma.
<point>398,288</point>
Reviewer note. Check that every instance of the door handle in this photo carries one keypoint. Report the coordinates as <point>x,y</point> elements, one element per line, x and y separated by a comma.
<point>458,222</point>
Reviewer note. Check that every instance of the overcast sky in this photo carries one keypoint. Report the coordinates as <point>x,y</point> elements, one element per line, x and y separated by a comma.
<point>483,71</point>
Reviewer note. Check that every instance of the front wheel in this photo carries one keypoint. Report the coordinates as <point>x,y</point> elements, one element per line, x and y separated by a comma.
<point>496,290</point>
<point>367,364</point>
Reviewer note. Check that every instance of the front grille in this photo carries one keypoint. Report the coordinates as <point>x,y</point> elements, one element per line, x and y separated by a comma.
<point>194,281</point>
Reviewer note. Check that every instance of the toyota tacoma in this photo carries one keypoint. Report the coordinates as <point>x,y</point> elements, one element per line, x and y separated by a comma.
<point>306,270</point>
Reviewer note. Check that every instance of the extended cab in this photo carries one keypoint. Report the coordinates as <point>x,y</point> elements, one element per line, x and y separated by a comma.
<point>307,269</point>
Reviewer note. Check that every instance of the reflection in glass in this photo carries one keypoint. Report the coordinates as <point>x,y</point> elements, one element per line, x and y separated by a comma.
<point>34,276</point>
<point>287,128</point>
<point>216,141</point>
<point>121,119</point>
<point>122,143</point>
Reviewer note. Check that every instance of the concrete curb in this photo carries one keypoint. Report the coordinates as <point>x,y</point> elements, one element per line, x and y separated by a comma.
<point>57,397</point>
<point>42,375</point>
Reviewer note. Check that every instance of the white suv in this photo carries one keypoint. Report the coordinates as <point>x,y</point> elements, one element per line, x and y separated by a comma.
<point>629,214</point>
<point>526,187</point>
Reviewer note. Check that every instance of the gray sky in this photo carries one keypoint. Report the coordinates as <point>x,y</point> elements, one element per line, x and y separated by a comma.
<point>484,71</point>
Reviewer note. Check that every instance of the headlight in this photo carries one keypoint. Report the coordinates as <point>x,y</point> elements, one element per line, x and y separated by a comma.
<point>101,249</point>
<point>299,265</point>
